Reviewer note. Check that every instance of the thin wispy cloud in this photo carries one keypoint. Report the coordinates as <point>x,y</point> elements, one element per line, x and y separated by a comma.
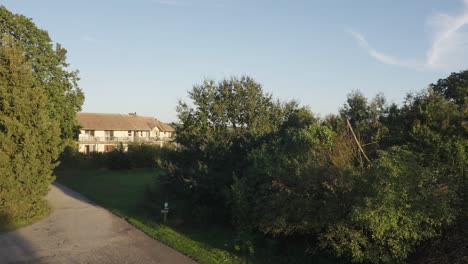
<point>382,57</point>
<point>450,40</point>
<point>448,50</point>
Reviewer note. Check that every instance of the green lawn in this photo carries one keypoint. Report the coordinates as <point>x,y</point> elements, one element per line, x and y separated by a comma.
<point>122,192</point>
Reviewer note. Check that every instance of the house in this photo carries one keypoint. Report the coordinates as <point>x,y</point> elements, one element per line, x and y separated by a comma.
<point>101,132</point>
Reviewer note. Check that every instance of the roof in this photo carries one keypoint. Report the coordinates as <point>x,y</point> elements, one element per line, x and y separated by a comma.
<point>140,122</point>
<point>101,121</point>
<point>164,127</point>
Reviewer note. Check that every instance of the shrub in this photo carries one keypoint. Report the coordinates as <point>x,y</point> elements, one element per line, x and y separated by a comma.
<point>143,155</point>
<point>118,159</point>
<point>137,156</point>
<point>70,158</point>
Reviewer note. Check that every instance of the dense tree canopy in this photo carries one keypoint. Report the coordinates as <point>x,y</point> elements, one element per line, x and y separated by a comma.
<point>49,67</point>
<point>29,139</point>
<point>276,169</point>
<point>403,204</point>
<point>39,98</point>
<point>226,121</point>
<point>453,88</point>
<point>279,193</point>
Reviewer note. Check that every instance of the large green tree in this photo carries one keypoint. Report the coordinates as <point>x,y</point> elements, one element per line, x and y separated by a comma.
<point>49,67</point>
<point>221,124</point>
<point>281,192</point>
<point>29,139</point>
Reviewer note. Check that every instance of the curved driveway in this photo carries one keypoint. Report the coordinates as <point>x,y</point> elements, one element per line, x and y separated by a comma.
<point>78,231</point>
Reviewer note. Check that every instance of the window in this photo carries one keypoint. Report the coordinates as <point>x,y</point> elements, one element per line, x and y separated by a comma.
<point>141,133</point>
<point>109,134</point>
<point>108,148</point>
<point>129,133</point>
<point>89,149</point>
<point>89,133</point>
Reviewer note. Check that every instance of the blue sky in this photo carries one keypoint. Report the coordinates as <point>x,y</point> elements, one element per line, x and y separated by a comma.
<point>144,55</point>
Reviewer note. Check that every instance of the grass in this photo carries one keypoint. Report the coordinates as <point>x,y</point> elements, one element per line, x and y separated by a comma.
<point>122,192</point>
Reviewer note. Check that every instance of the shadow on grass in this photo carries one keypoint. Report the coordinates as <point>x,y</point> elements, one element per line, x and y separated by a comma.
<point>266,250</point>
<point>123,193</point>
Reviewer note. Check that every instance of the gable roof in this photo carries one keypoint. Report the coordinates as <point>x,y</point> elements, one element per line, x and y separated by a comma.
<point>164,127</point>
<point>101,121</point>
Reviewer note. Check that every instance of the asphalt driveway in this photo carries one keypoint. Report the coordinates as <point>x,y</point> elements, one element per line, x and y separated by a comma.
<point>78,231</point>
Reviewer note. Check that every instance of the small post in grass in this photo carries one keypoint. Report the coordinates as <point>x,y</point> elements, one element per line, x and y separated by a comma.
<point>165,211</point>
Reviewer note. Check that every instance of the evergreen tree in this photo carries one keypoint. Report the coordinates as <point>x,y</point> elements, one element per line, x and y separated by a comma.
<point>29,139</point>
<point>49,67</point>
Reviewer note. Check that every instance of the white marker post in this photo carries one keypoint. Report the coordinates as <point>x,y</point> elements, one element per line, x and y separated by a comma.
<point>165,211</point>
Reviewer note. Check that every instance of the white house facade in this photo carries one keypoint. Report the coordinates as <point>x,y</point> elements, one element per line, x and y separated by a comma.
<point>101,132</point>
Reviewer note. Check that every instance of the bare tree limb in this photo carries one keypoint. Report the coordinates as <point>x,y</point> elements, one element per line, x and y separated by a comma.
<point>357,141</point>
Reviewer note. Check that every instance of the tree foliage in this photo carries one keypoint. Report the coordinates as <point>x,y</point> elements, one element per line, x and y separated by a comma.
<point>49,67</point>
<point>29,139</point>
<point>279,191</point>
<point>225,121</point>
<point>429,133</point>
<point>366,119</point>
<point>453,88</point>
<point>397,211</point>
<point>274,168</point>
